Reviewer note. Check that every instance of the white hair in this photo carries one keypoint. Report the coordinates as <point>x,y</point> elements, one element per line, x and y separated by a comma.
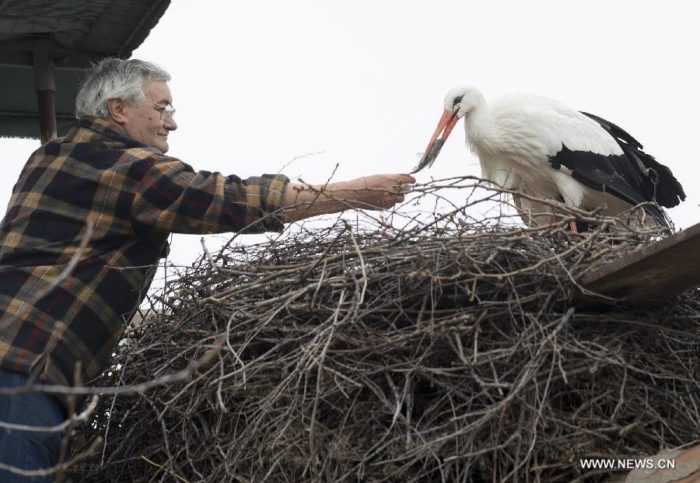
<point>113,78</point>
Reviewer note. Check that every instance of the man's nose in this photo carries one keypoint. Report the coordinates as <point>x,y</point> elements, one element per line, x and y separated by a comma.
<point>170,124</point>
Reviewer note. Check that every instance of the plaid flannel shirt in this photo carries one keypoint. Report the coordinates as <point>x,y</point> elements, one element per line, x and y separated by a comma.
<point>133,196</point>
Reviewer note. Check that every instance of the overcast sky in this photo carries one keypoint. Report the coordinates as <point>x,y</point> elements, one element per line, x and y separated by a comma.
<point>361,82</point>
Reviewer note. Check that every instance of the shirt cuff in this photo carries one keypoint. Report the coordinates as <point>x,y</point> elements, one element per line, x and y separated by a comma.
<point>272,189</point>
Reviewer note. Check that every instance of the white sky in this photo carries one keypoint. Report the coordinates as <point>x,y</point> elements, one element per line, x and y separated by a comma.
<point>257,84</point>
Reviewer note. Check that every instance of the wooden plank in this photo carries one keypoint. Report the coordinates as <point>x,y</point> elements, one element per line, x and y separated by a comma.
<point>45,84</point>
<point>651,274</point>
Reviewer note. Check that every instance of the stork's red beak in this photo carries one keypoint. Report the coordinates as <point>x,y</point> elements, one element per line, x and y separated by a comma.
<point>442,131</point>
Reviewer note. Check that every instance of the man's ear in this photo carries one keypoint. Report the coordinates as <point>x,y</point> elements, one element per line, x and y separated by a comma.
<point>115,108</point>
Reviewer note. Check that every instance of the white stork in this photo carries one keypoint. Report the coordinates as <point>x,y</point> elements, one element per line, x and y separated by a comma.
<point>544,149</point>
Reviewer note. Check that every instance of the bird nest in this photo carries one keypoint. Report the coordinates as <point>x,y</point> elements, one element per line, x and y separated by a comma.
<point>445,350</point>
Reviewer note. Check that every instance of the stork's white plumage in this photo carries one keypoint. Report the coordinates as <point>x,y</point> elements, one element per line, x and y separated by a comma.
<point>544,149</point>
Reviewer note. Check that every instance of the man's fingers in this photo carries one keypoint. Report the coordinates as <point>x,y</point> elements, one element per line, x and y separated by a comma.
<point>403,188</point>
<point>383,191</point>
<point>404,183</point>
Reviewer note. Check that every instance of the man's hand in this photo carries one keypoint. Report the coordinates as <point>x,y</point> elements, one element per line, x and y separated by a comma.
<point>376,192</point>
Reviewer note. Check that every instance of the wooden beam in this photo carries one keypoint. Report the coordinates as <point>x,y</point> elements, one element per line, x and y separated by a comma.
<point>45,84</point>
<point>651,274</point>
<point>47,115</point>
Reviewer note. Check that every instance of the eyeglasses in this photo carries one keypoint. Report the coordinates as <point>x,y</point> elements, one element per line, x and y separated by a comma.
<point>166,111</point>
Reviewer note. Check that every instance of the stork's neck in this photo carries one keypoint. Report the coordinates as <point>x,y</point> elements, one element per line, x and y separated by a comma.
<point>481,127</point>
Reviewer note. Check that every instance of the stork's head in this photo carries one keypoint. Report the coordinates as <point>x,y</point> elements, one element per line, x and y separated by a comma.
<point>463,100</point>
<point>459,102</point>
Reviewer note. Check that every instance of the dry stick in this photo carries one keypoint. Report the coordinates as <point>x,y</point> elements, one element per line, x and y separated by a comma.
<point>233,351</point>
<point>280,212</point>
<point>127,389</point>
<point>362,264</point>
<point>208,255</point>
<point>72,419</point>
<point>109,419</point>
<point>295,158</point>
<point>319,377</point>
<point>166,470</point>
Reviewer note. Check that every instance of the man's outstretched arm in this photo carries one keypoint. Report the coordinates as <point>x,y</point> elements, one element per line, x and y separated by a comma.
<point>376,192</point>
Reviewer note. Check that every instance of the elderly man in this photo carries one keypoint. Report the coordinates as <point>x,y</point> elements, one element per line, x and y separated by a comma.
<point>109,185</point>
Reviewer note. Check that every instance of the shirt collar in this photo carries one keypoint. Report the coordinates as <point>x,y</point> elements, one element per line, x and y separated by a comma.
<point>99,129</point>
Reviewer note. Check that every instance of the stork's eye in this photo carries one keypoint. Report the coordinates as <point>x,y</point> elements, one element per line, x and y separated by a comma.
<point>457,100</point>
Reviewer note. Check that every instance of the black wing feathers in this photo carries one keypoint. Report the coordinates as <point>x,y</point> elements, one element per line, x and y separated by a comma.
<point>610,174</point>
<point>657,182</point>
<point>614,130</point>
<point>634,176</point>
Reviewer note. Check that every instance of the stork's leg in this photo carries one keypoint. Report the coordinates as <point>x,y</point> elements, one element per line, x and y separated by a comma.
<point>572,224</point>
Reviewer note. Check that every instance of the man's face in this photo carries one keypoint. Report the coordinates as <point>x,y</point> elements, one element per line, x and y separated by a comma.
<point>143,122</point>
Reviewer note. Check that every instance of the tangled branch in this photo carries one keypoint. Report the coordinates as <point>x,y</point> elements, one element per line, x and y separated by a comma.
<point>438,350</point>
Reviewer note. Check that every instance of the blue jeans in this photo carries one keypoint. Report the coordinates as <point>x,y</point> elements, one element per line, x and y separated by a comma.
<point>24,449</point>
